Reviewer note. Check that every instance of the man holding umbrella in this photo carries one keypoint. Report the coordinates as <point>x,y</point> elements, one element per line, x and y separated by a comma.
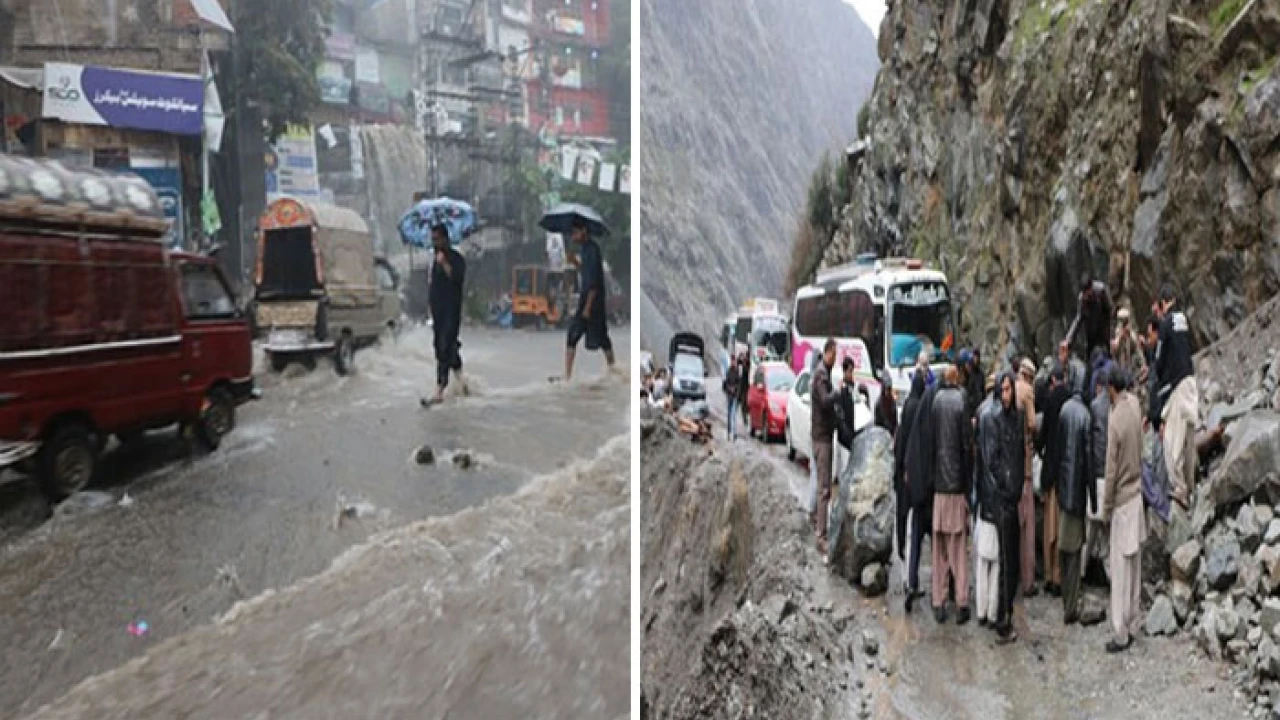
<point>590,320</point>
<point>448,273</point>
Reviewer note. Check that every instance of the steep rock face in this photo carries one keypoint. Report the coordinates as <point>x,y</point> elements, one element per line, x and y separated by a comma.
<point>1020,144</point>
<point>741,98</point>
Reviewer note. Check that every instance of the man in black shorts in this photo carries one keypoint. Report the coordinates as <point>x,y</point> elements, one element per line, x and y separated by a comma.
<point>591,319</point>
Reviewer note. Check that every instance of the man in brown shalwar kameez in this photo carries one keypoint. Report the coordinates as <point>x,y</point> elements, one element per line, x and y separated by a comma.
<point>1122,506</point>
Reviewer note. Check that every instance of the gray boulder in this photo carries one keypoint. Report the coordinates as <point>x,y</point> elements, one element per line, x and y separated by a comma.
<point>1247,529</point>
<point>1268,657</point>
<point>1250,576</point>
<point>1185,562</point>
<point>1180,596</point>
<point>1269,617</point>
<point>1160,619</point>
<point>1265,515</point>
<point>861,522</point>
<point>1223,561</point>
<point>1227,624</point>
<point>875,580</point>
<point>1093,609</point>
<point>1252,461</point>
<point>1273,532</point>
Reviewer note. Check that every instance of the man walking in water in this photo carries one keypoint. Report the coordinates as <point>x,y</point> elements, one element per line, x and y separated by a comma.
<point>448,274</point>
<point>590,320</point>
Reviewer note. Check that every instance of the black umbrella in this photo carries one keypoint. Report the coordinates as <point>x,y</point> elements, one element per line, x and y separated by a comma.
<point>561,218</point>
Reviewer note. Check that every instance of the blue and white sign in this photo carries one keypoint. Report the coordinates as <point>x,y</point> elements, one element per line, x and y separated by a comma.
<point>167,183</point>
<point>89,95</point>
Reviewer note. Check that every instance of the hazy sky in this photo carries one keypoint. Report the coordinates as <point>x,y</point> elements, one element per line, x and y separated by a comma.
<point>871,11</point>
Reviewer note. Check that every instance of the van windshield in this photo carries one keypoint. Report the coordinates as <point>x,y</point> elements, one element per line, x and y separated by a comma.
<point>921,322</point>
<point>686,366</point>
<point>288,265</point>
<point>204,296</point>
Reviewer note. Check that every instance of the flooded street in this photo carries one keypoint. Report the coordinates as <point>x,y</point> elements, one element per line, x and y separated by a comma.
<point>510,579</point>
<point>950,671</point>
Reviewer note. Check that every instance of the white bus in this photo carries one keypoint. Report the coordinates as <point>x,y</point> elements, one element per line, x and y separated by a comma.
<point>882,313</point>
<point>762,331</point>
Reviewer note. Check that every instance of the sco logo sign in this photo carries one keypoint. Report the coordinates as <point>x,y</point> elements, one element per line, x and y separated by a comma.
<point>63,91</point>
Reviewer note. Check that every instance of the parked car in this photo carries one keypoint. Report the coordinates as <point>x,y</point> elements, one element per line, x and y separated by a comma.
<point>799,414</point>
<point>688,370</point>
<point>105,331</point>
<point>767,399</point>
<point>319,289</point>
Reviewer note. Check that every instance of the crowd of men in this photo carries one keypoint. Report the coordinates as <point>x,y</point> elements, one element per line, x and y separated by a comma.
<point>964,450</point>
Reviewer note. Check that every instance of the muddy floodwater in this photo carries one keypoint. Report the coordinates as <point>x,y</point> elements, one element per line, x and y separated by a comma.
<point>364,584</point>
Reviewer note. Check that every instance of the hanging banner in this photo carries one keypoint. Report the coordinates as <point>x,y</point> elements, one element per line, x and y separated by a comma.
<point>214,119</point>
<point>608,173</point>
<point>292,164</point>
<point>568,161</point>
<point>624,181</point>
<point>586,170</point>
<point>357,153</point>
<point>367,66</point>
<point>90,95</point>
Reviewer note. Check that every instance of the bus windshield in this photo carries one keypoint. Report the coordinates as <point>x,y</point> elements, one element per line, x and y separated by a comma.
<point>772,335</point>
<point>920,321</point>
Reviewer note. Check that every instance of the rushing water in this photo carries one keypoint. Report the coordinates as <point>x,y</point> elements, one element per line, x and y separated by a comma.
<point>510,600</point>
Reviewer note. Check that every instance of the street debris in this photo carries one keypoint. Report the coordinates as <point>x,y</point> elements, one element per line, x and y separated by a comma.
<point>424,455</point>
<point>139,628</point>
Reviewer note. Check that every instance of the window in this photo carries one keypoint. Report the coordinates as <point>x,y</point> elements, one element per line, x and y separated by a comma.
<point>780,379</point>
<point>802,384</point>
<point>203,295</point>
<point>386,278</point>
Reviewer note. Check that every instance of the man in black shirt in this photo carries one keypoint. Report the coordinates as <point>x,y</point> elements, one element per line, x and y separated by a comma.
<point>590,319</point>
<point>448,274</point>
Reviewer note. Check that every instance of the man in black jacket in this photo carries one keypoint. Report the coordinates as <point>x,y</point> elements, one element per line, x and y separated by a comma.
<point>731,379</point>
<point>902,503</point>
<point>822,430</point>
<point>448,274</point>
<point>952,428</point>
<point>1000,437</point>
<point>986,539</point>
<point>1049,445</point>
<point>1076,481</point>
<point>1176,376</point>
<point>919,485</point>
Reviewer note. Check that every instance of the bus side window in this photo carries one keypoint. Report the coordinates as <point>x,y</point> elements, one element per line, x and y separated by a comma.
<point>877,341</point>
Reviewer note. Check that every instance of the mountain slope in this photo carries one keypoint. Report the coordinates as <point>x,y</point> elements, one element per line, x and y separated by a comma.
<point>740,100</point>
<point>1022,143</point>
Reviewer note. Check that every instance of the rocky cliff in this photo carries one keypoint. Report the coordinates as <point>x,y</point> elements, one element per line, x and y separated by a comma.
<point>1023,143</point>
<point>741,98</point>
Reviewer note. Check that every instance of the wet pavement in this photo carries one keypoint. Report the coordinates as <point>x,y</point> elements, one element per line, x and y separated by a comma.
<point>316,467</point>
<point>1052,671</point>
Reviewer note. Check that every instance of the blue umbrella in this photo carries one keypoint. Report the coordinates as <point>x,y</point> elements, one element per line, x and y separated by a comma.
<point>458,217</point>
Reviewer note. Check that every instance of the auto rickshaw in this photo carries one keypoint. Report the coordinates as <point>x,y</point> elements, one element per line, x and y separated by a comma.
<point>541,296</point>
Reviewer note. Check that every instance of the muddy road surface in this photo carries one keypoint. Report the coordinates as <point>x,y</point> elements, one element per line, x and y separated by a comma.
<point>319,466</point>
<point>923,670</point>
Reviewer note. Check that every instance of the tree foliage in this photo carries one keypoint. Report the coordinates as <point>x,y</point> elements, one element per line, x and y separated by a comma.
<point>281,43</point>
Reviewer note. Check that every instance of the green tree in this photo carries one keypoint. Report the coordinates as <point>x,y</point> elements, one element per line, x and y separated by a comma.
<point>820,205</point>
<point>281,43</point>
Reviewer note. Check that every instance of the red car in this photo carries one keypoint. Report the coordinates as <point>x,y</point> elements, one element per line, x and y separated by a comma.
<point>767,399</point>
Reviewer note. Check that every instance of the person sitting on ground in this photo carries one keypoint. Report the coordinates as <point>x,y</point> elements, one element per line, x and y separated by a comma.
<point>950,522</point>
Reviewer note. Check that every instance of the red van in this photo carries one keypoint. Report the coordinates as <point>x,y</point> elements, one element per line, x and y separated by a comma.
<point>104,330</point>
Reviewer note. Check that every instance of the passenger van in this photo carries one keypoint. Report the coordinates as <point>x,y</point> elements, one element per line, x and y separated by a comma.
<point>104,330</point>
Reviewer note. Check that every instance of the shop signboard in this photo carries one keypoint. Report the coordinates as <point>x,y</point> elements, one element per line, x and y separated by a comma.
<point>91,95</point>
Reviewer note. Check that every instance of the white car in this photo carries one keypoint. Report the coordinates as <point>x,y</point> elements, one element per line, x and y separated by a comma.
<point>799,413</point>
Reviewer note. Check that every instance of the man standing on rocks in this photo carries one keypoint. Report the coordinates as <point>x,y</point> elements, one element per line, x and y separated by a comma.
<point>1000,433</point>
<point>1177,382</point>
<point>1075,483</point>
<point>951,447</point>
<point>1126,351</point>
<point>822,428</point>
<point>1093,316</point>
<point>1027,505</point>
<point>1122,507</point>
<point>1050,447</point>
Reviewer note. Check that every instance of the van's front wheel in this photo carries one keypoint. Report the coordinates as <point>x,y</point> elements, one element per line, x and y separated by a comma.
<point>344,355</point>
<point>217,418</point>
<point>67,461</point>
